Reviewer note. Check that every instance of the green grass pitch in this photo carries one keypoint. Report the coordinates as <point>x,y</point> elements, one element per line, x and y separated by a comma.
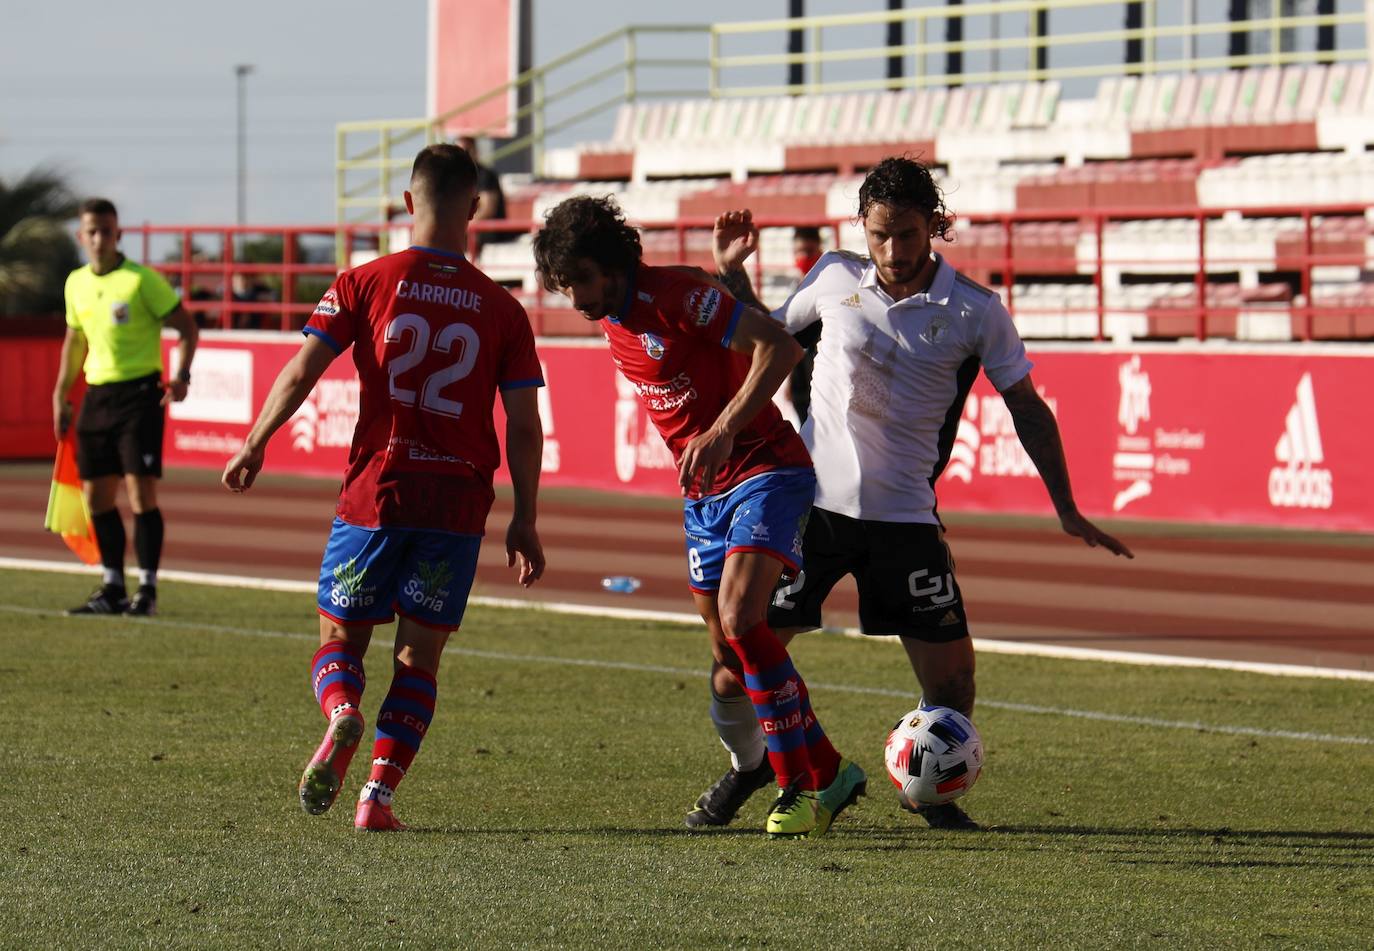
<point>150,799</point>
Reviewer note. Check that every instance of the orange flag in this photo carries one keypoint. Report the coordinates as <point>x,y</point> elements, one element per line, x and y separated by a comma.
<point>68,514</point>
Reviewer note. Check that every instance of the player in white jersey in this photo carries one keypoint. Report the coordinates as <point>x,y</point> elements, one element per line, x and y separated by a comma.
<point>905,336</point>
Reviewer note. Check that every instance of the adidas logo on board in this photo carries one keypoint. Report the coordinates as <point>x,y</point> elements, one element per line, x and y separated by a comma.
<point>1301,482</point>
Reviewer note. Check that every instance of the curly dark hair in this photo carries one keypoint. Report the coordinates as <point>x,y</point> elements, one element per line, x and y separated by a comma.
<point>902,182</point>
<point>584,227</point>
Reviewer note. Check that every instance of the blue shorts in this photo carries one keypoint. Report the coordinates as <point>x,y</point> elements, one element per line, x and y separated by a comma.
<point>766,513</point>
<point>369,574</point>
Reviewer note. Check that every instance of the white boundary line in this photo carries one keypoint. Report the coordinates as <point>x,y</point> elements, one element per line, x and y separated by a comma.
<point>230,580</point>
<point>131,626</point>
<point>992,646</point>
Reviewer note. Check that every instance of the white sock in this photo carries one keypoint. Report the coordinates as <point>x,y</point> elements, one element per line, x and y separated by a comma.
<point>147,579</point>
<point>737,725</point>
<point>113,576</point>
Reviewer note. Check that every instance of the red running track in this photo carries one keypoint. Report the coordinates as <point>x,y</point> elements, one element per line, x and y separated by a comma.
<point>1232,594</point>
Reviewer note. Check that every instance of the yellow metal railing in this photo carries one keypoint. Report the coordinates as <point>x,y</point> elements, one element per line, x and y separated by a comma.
<point>819,53</point>
<point>371,158</point>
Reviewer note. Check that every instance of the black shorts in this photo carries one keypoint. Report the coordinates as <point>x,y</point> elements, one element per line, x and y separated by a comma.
<point>904,571</point>
<point>119,429</point>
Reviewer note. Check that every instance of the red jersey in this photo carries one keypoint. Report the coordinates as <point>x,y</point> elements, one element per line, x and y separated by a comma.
<point>671,342</point>
<point>433,340</point>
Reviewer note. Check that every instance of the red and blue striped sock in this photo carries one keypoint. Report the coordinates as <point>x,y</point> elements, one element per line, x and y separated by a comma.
<point>825,759</point>
<point>776,689</point>
<point>336,674</point>
<point>401,726</point>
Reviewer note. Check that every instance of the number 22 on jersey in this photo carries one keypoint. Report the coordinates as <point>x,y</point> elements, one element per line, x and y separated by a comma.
<point>451,336</point>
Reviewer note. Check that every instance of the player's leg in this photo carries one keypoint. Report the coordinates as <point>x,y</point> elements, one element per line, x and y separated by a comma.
<point>98,463</point>
<point>795,609</point>
<point>358,565</point>
<point>945,671</point>
<point>431,594</point>
<point>140,450</point>
<point>738,728</point>
<point>773,685</point>
<point>101,493</point>
<point>772,520</point>
<point>148,535</point>
<point>909,589</point>
<point>338,679</point>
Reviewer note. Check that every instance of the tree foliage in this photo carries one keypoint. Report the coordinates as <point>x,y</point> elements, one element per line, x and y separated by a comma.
<point>37,251</point>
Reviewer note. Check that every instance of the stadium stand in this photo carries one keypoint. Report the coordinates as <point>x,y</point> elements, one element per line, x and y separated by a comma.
<point>1172,205</point>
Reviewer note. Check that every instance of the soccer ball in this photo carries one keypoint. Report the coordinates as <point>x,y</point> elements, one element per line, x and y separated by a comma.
<point>933,755</point>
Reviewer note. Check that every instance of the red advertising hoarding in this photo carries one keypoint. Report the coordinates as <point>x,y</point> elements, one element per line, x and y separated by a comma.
<point>1234,435</point>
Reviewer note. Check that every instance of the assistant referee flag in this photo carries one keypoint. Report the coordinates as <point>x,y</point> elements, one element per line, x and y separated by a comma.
<point>68,514</point>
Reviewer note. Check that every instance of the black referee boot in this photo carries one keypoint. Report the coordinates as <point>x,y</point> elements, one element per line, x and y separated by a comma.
<point>106,599</point>
<point>144,603</point>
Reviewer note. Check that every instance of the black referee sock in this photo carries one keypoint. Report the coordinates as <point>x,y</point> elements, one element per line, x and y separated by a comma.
<point>110,537</point>
<point>148,539</point>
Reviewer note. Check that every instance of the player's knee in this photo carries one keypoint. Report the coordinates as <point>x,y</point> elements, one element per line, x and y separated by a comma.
<point>142,494</point>
<point>736,620</point>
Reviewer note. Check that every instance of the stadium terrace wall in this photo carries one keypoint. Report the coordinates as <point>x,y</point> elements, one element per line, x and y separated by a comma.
<point>1206,433</point>
<point>28,372</point>
<point>1272,435</point>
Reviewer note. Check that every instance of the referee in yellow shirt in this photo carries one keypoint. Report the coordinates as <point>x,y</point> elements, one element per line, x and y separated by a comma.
<point>116,310</point>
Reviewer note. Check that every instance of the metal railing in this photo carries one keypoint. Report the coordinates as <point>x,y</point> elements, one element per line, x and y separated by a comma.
<point>207,279</point>
<point>1201,320</point>
<point>821,52</point>
<point>372,157</point>
<point>207,261</point>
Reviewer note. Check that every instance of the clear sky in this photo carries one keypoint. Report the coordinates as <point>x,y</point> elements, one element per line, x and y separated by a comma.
<point>136,100</point>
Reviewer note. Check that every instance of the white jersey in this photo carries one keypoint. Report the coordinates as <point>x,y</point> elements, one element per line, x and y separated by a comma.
<point>890,381</point>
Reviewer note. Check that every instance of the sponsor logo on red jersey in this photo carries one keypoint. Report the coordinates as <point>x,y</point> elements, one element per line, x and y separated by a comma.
<point>701,304</point>
<point>328,305</point>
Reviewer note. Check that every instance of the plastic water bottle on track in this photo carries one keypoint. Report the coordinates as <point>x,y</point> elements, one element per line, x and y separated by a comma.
<point>621,584</point>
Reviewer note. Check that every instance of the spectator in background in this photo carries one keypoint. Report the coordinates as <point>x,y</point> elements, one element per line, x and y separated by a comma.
<point>246,290</point>
<point>491,201</point>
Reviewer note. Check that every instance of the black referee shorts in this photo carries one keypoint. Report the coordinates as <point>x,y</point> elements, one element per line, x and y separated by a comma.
<point>119,429</point>
<point>904,572</point>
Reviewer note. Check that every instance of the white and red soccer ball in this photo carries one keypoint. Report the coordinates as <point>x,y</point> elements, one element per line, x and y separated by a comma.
<point>933,755</point>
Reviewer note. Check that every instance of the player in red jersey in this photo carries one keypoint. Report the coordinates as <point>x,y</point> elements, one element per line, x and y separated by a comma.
<point>705,368</point>
<point>434,341</point>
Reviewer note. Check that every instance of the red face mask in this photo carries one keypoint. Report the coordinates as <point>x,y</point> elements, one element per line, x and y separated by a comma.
<point>805,262</point>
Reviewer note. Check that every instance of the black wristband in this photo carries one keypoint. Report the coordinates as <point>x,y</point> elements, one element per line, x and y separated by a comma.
<point>184,375</point>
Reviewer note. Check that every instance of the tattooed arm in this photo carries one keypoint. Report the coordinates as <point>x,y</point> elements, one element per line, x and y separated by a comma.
<point>741,288</point>
<point>1039,434</point>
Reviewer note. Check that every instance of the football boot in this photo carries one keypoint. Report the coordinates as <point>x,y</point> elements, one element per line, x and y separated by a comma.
<point>719,804</point>
<point>794,813</point>
<point>850,783</point>
<point>322,779</point>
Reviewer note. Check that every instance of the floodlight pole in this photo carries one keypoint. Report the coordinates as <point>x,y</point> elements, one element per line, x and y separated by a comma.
<point>241,72</point>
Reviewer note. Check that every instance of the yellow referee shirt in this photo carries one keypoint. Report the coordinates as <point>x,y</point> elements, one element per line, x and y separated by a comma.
<point>121,314</point>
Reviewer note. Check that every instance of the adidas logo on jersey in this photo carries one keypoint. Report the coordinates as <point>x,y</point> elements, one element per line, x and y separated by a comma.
<point>852,300</point>
<point>1301,482</point>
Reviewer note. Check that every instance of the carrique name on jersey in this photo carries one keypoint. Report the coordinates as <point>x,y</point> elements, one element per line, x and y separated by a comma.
<point>459,298</point>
